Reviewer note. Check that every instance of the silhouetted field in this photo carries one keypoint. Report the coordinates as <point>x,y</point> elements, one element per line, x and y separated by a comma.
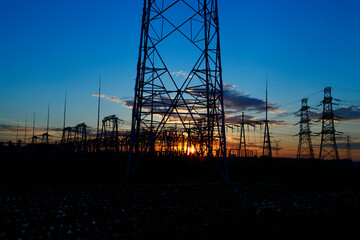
<point>53,165</point>
<point>50,194</point>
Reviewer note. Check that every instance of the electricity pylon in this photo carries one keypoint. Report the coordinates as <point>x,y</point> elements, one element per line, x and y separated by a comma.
<point>328,147</point>
<point>348,148</point>
<point>110,132</point>
<point>277,149</point>
<point>162,98</point>
<point>242,136</point>
<point>305,148</point>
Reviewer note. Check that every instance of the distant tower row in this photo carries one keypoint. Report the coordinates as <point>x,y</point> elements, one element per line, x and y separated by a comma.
<point>328,146</point>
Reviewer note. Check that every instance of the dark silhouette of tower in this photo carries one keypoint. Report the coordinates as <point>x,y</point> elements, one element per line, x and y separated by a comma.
<point>17,133</point>
<point>98,116</point>
<point>45,136</point>
<point>305,148</point>
<point>80,136</point>
<point>25,131</point>
<point>328,147</point>
<point>110,132</point>
<point>34,137</point>
<point>64,131</point>
<point>69,135</point>
<point>277,149</point>
<point>161,98</point>
<point>242,136</point>
<point>348,148</point>
<point>267,143</point>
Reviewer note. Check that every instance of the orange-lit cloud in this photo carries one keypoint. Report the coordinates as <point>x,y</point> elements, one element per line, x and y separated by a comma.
<point>10,128</point>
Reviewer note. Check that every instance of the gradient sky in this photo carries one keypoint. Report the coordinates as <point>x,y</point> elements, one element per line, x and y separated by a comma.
<point>51,46</point>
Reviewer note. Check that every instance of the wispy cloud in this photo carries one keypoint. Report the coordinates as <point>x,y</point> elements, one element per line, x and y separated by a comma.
<point>345,113</point>
<point>111,98</point>
<point>14,128</point>
<point>279,123</point>
<point>353,146</point>
<point>179,73</point>
<point>348,113</point>
<point>235,119</point>
<point>237,101</point>
<point>10,128</point>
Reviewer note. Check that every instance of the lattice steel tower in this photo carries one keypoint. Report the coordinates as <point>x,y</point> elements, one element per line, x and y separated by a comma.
<point>328,147</point>
<point>348,148</point>
<point>188,92</point>
<point>305,148</point>
<point>242,136</point>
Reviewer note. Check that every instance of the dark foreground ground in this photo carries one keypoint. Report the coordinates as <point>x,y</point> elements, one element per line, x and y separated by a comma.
<point>178,211</point>
<point>58,196</point>
<point>52,165</point>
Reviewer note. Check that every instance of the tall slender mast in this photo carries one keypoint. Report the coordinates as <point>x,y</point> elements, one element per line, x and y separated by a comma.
<point>17,132</point>
<point>267,143</point>
<point>266,104</point>
<point>63,138</point>
<point>47,126</point>
<point>98,119</point>
<point>33,136</point>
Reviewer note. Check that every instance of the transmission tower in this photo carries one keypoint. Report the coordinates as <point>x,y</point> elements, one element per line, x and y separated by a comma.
<point>242,136</point>
<point>348,148</point>
<point>110,132</point>
<point>328,147</point>
<point>305,148</point>
<point>80,136</point>
<point>267,143</point>
<point>277,149</point>
<point>68,135</point>
<point>161,97</point>
<point>17,133</point>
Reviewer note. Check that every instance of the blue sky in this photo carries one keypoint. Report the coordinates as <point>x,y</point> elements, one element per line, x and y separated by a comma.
<point>49,47</point>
